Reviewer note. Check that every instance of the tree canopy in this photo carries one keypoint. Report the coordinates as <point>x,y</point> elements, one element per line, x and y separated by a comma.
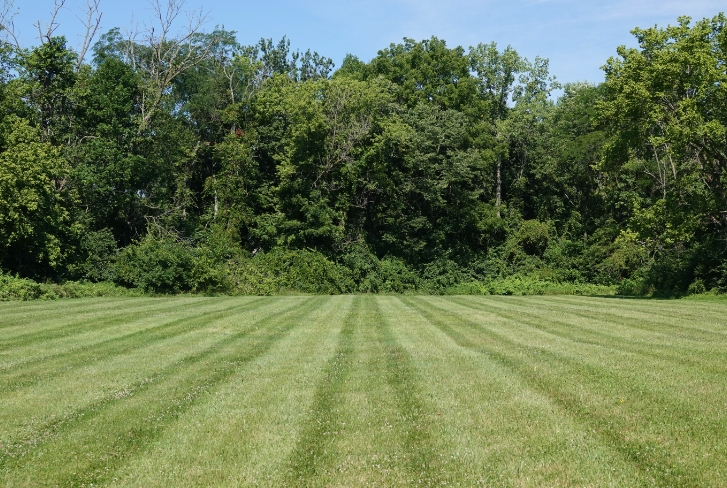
<point>428,163</point>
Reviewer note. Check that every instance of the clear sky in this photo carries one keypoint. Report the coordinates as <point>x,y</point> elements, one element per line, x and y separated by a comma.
<point>577,36</point>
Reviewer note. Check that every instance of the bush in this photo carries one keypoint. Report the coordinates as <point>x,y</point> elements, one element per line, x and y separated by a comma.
<point>396,277</point>
<point>528,285</point>
<point>158,263</point>
<point>249,277</point>
<point>442,274</point>
<point>98,251</point>
<point>532,238</point>
<point>306,271</point>
<point>634,287</point>
<point>85,289</point>
<point>14,288</point>
<point>696,288</point>
<point>284,270</point>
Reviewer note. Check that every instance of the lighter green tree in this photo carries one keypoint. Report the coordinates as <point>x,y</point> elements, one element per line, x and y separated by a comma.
<point>667,109</point>
<point>32,215</point>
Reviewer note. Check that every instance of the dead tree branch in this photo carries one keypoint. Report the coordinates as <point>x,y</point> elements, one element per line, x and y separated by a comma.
<point>7,23</point>
<point>91,22</point>
<point>45,31</point>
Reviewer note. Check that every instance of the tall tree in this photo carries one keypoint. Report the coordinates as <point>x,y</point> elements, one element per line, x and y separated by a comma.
<point>667,112</point>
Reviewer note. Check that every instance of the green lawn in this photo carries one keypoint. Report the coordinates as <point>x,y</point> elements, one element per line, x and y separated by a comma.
<point>363,391</point>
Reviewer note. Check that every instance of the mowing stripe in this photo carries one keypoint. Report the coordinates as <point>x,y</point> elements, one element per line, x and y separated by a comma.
<point>644,455</point>
<point>418,441</point>
<point>494,430</point>
<point>138,417</point>
<point>49,422</point>
<point>314,446</point>
<point>605,364</point>
<point>35,336</point>
<point>74,355</point>
<point>365,391</point>
<point>313,462</point>
<point>247,431</point>
<point>49,318</point>
<point>687,400</point>
<point>21,312</point>
<point>671,325</point>
<point>604,333</point>
<point>667,310</point>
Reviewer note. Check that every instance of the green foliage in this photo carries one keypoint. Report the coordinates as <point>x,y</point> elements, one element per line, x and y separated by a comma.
<point>48,75</point>
<point>665,110</point>
<point>424,170</point>
<point>33,216</point>
<point>532,238</point>
<point>528,285</point>
<point>98,250</point>
<point>15,288</point>
<point>158,263</point>
<point>305,271</point>
<point>426,72</point>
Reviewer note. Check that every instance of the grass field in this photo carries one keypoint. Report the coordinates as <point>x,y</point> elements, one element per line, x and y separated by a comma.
<point>363,391</point>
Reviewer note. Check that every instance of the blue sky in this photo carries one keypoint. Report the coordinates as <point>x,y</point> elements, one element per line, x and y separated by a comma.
<point>577,36</point>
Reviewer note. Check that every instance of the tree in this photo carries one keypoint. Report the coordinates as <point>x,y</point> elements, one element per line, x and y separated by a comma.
<point>667,112</point>
<point>49,77</point>
<point>514,94</point>
<point>425,72</point>
<point>33,217</point>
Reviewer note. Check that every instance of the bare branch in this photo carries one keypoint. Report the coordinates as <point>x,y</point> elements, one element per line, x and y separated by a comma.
<point>91,23</point>
<point>169,55</point>
<point>7,23</point>
<point>45,31</point>
<point>131,36</point>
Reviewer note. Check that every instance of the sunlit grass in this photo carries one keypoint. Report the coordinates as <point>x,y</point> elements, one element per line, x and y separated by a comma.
<point>363,391</point>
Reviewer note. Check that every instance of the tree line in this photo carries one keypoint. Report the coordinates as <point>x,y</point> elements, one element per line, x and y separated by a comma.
<point>184,161</point>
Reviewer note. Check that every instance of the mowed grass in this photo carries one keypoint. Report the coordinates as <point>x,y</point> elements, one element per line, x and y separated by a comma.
<point>363,391</point>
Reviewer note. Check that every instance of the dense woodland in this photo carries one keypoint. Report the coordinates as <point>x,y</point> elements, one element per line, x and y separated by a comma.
<point>179,160</point>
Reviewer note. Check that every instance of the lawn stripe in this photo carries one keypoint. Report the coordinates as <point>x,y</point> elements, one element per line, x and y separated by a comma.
<point>33,334</point>
<point>324,452</point>
<point>141,420</point>
<point>66,312</point>
<point>15,311</point>
<point>418,442</point>
<point>608,334</point>
<point>119,344</point>
<point>586,357</point>
<point>644,455</point>
<point>659,402</point>
<point>668,323</point>
<point>494,430</point>
<point>314,446</point>
<point>533,391</point>
<point>53,411</point>
<point>245,436</point>
<point>648,308</point>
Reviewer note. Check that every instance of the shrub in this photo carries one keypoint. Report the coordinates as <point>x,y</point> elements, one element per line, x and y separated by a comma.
<point>696,288</point>
<point>442,274</point>
<point>14,288</point>
<point>158,263</point>
<point>633,287</point>
<point>396,277</point>
<point>528,285</point>
<point>532,238</point>
<point>99,251</point>
<point>306,271</point>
